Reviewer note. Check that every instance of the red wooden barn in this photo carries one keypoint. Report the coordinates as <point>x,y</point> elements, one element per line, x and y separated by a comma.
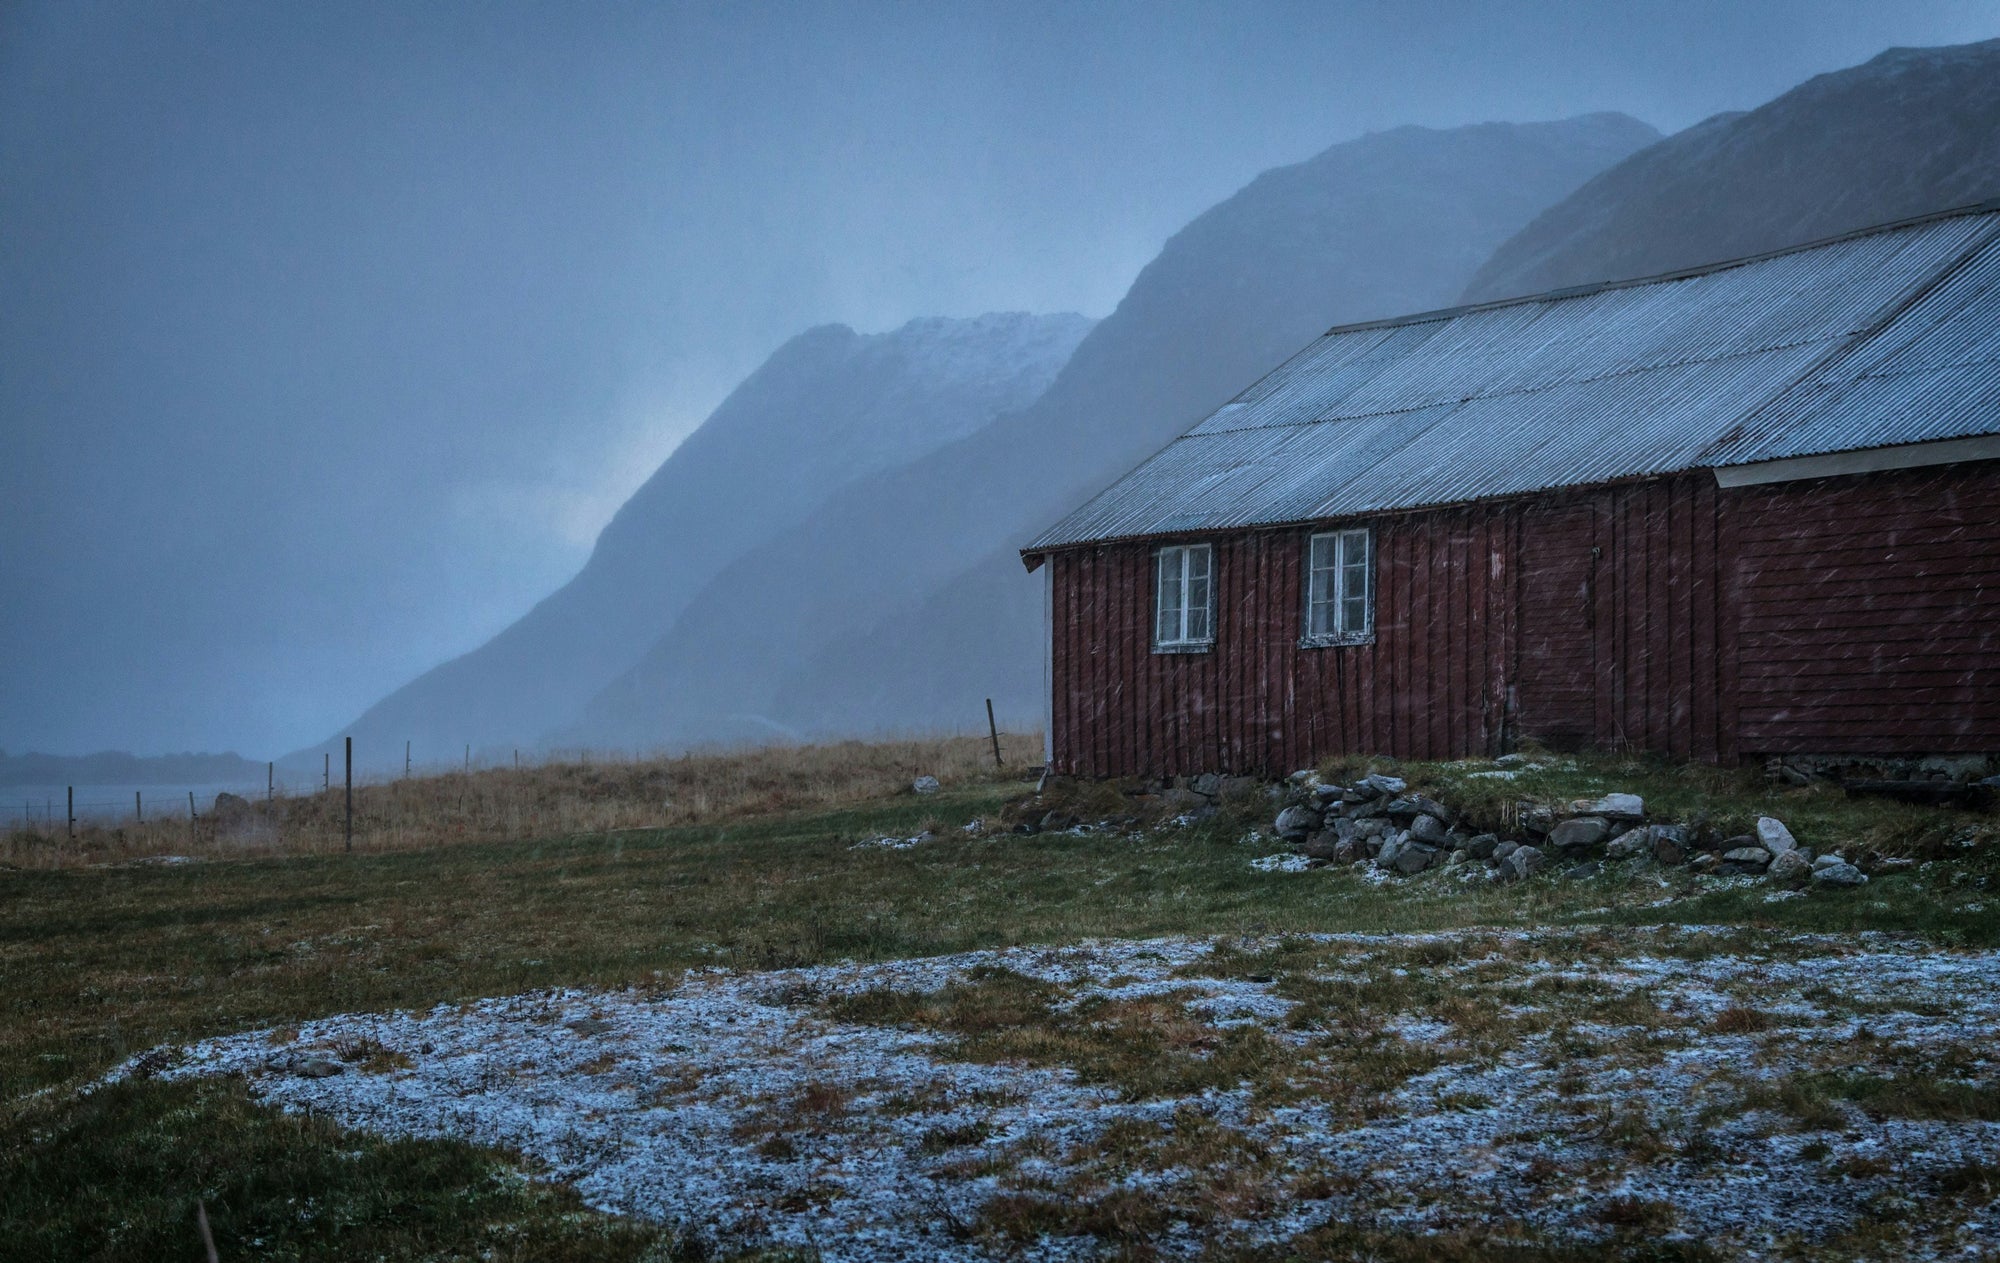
<point>1744,510</point>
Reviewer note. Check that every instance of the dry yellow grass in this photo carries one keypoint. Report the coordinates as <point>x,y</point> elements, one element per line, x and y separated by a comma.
<point>545,800</point>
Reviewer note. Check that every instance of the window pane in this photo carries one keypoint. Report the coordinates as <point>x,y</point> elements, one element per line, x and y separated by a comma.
<point>1169,598</point>
<point>1197,603</point>
<point>1353,616</point>
<point>1322,560</point>
<point>1198,561</point>
<point>1322,607</point>
<point>1339,575</point>
<point>1357,581</point>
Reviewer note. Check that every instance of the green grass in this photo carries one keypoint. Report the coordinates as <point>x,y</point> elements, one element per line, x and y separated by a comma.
<point>1498,1240</point>
<point>100,963</point>
<point>1920,1096</point>
<point>1144,1047</point>
<point>1726,801</point>
<point>118,1176</point>
<point>103,962</point>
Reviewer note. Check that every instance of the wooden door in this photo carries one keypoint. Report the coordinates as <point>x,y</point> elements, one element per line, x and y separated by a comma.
<point>1555,677</point>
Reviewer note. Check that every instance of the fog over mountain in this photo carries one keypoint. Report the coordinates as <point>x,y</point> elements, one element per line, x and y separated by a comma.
<point>828,408</point>
<point>1910,131</point>
<point>902,604</point>
<point>332,338</point>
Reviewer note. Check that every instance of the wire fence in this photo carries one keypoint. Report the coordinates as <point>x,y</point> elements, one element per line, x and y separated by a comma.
<point>60,805</point>
<point>113,806</point>
<point>99,804</point>
<point>550,794</point>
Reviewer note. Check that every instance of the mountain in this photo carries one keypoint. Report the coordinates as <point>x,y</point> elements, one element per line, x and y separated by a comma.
<point>829,408</point>
<point>1911,131</point>
<point>900,603</point>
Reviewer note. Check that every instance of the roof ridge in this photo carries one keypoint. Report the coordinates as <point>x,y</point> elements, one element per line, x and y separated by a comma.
<point>1836,341</point>
<point>1987,207</point>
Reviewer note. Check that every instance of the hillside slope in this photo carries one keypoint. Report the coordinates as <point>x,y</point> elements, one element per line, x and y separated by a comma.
<point>1910,131</point>
<point>829,407</point>
<point>844,625</point>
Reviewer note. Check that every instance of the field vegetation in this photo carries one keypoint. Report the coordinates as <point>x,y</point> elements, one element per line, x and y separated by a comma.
<point>629,876</point>
<point>537,800</point>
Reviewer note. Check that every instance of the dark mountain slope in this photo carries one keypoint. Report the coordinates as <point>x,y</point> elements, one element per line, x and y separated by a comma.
<point>829,407</point>
<point>1911,131</point>
<point>840,625</point>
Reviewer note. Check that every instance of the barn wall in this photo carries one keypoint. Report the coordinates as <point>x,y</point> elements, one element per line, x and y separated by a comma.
<point>1851,614</point>
<point>1663,635</point>
<point>1871,613</point>
<point>1555,681</point>
<point>1431,686</point>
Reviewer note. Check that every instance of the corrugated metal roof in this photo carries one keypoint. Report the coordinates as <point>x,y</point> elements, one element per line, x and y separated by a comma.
<point>1885,337</point>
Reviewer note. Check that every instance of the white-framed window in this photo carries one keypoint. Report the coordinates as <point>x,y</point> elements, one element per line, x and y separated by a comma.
<point>1183,598</point>
<point>1340,588</point>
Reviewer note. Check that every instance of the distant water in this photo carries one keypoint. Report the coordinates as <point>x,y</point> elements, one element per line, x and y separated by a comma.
<point>111,803</point>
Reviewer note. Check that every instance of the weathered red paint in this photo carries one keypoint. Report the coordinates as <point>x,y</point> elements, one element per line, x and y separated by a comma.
<point>1843,615</point>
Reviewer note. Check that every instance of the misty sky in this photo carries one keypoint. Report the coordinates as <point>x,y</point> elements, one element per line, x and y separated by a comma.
<point>329,335</point>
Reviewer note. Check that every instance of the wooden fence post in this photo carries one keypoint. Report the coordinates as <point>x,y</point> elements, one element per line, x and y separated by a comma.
<point>993,730</point>
<point>70,829</point>
<point>138,808</point>
<point>350,793</point>
<point>271,782</point>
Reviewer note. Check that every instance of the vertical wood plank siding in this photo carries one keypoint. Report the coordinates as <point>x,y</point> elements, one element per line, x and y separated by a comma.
<point>1857,614</point>
<point>1871,614</point>
<point>1555,688</point>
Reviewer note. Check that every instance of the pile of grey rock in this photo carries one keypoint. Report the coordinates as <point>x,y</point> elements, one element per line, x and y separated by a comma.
<point>1200,794</point>
<point>1773,851</point>
<point>1376,820</point>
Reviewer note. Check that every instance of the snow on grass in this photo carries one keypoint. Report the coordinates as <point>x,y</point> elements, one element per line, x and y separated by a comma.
<point>1563,1082</point>
<point>896,844</point>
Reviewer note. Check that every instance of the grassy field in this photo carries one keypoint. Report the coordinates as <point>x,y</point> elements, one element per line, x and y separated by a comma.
<point>536,800</point>
<point>101,962</point>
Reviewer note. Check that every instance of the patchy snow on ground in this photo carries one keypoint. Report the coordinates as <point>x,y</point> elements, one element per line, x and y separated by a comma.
<point>732,1105</point>
<point>898,844</point>
<point>1283,862</point>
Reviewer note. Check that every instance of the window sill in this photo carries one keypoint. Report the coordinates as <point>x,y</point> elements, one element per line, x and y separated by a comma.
<point>1335,642</point>
<point>1184,646</point>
